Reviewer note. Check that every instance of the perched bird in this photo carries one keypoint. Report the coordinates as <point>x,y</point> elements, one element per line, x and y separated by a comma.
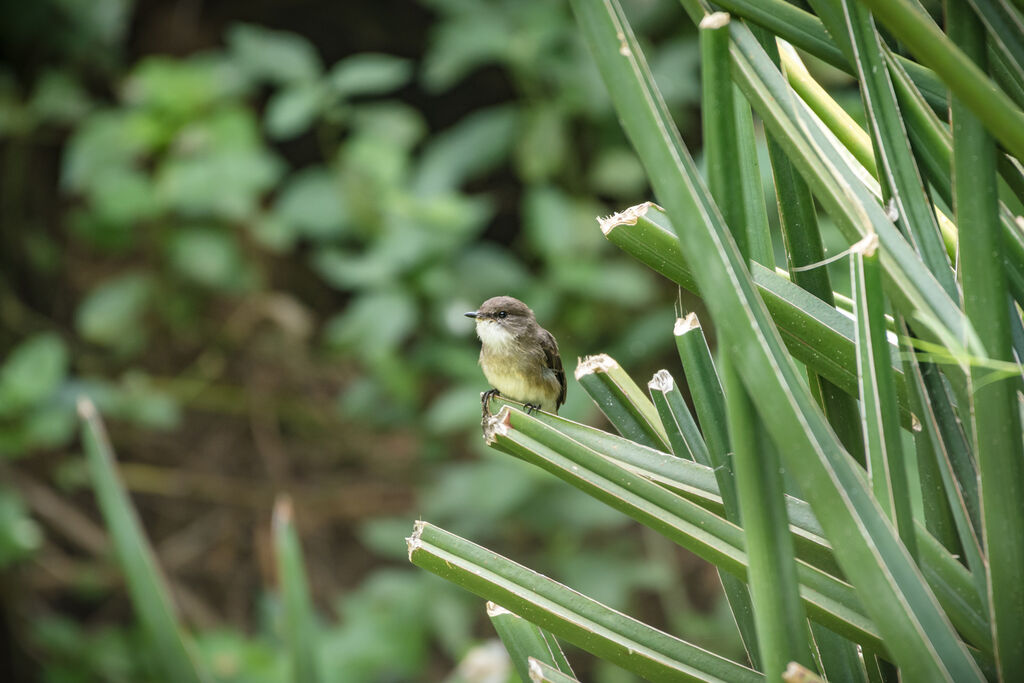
<point>519,357</point>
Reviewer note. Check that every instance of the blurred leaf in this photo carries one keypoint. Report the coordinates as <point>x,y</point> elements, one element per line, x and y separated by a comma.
<point>233,658</point>
<point>225,176</point>
<point>311,204</point>
<point>559,227</point>
<point>134,398</point>
<point>111,314</point>
<point>79,655</point>
<point>580,515</point>
<point>182,87</point>
<point>675,66</point>
<point>147,586</point>
<point>47,426</point>
<point>369,74</point>
<point>209,257</point>
<point>485,266</point>
<point>385,536</point>
<point>59,98</point>
<point>645,336</point>
<point>122,195</point>
<point>456,361</point>
<point>43,427</point>
<point>229,127</point>
<point>424,233</point>
<point>292,110</point>
<point>275,56</point>
<point>373,325</point>
<point>20,536</point>
<point>352,269</point>
<point>459,46</point>
<point>579,88</point>
<point>617,173</point>
<point>474,145</point>
<point>474,497</point>
<point>612,281</point>
<point>373,166</point>
<point>301,627</point>
<point>446,217</point>
<point>365,399</point>
<point>454,410</point>
<point>543,144</point>
<point>102,23</point>
<point>272,232</point>
<point>382,634</point>
<point>32,372</point>
<point>106,140</point>
<point>395,122</point>
<point>452,616</point>
<point>618,577</point>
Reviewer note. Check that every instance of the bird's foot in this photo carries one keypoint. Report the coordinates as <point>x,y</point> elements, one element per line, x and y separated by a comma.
<point>530,408</point>
<point>485,400</point>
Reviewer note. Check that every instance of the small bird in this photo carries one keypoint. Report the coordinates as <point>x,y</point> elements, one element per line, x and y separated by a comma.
<point>519,357</point>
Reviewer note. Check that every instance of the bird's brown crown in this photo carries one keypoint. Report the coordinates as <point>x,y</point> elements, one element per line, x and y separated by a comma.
<point>507,305</point>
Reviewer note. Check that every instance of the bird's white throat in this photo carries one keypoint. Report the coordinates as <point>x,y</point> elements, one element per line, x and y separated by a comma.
<point>494,335</point>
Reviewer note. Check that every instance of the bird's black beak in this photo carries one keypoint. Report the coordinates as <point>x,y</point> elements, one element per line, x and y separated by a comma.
<point>471,314</point>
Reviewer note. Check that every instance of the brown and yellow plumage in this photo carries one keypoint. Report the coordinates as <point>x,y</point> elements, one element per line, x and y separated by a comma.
<point>519,357</point>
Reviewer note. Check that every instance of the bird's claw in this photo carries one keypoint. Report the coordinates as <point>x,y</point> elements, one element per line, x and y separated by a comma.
<point>530,408</point>
<point>485,400</point>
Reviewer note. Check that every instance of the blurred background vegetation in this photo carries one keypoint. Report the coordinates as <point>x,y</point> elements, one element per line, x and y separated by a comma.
<point>248,231</point>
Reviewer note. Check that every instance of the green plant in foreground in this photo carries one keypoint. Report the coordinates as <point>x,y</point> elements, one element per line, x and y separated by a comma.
<point>838,572</point>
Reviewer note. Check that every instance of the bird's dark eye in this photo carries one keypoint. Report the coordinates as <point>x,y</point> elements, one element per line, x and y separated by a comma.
<point>502,314</point>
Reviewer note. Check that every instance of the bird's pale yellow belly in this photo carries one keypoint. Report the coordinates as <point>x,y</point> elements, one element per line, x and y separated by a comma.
<point>539,387</point>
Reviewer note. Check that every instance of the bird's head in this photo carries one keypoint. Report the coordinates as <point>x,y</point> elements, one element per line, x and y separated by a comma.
<point>501,319</point>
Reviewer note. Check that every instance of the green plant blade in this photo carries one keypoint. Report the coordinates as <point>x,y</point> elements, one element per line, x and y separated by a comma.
<point>842,125</point>
<point>826,167</point>
<point>299,619</point>
<point>541,672</point>
<point>708,400</point>
<point>994,410</point>
<point>718,541</point>
<point>683,434</point>
<point>688,443</point>
<point>840,658</point>
<point>1006,28</point>
<point>802,238</point>
<point>917,633</point>
<point>950,456</point>
<point>697,483</point>
<point>902,183</point>
<point>933,147</point>
<point>527,642</point>
<point>815,333</point>
<point>146,585</point>
<point>999,114</point>
<point>949,579</point>
<point>578,619</point>
<point>806,31</point>
<point>622,401</point>
<point>735,182</point>
<point>887,469</point>
<point>782,629</point>
<point>720,117</point>
<point>734,175</point>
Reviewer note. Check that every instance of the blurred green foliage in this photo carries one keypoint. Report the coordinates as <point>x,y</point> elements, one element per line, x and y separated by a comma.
<point>253,175</point>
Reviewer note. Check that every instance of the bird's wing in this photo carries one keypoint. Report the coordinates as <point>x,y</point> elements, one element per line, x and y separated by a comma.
<point>554,361</point>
